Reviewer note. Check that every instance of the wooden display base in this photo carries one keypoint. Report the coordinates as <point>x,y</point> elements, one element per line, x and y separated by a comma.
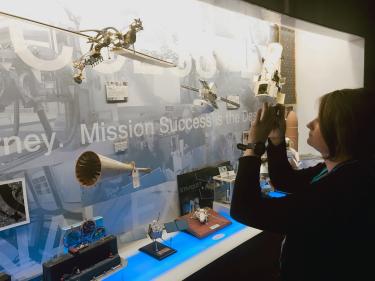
<point>215,222</point>
<point>157,250</point>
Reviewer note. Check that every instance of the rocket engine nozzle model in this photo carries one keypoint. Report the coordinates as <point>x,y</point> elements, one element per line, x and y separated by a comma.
<point>90,167</point>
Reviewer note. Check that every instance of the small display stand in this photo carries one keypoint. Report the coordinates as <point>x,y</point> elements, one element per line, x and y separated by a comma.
<point>155,231</point>
<point>158,250</point>
<point>215,222</point>
<point>224,192</point>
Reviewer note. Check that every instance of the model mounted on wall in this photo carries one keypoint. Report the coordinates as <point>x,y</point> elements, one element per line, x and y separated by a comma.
<point>208,96</point>
<point>92,167</point>
<point>110,38</point>
<point>269,82</point>
<point>116,42</point>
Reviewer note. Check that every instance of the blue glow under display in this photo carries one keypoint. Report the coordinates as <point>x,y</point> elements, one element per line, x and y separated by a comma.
<point>143,267</point>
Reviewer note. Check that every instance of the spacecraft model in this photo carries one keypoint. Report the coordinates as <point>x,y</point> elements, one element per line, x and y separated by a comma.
<point>110,38</point>
<point>79,237</point>
<point>155,232</point>
<point>201,214</point>
<point>204,221</point>
<point>92,167</point>
<point>208,96</point>
<point>269,82</point>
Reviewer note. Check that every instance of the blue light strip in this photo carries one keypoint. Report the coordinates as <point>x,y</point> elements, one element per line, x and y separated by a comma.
<point>276,194</point>
<point>144,267</point>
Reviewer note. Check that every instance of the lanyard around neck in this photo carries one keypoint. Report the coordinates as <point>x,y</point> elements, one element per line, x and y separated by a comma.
<point>320,175</point>
<point>324,172</point>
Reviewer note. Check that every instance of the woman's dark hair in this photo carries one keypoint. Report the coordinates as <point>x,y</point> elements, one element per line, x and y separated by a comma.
<point>346,119</point>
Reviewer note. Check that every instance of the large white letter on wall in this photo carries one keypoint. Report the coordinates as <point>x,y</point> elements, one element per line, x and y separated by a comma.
<point>21,48</point>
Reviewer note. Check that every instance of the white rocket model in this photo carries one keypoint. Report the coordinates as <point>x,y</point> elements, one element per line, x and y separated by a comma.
<point>269,81</point>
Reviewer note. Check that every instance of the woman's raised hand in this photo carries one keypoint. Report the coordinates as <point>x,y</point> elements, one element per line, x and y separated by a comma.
<point>263,124</point>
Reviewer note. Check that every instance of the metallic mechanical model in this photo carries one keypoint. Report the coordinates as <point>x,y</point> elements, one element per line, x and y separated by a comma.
<point>208,96</point>
<point>90,167</point>
<point>79,237</point>
<point>110,38</point>
<point>201,215</point>
<point>269,82</point>
<point>155,232</point>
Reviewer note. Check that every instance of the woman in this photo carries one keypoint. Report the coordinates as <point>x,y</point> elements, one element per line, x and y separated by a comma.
<point>328,215</point>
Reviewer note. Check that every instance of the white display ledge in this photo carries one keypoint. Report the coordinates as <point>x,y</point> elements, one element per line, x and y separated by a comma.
<point>204,258</point>
<point>199,261</point>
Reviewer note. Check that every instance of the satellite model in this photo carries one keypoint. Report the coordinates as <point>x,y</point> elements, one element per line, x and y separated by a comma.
<point>201,214</point>
<point>269,82</point>
<point>155,232</point>
<point>79,237</point>
<point>208,96</point>
<point>90,167</point>
<point>110,38</point>
<point>204,221</point>
<point>118,43</point>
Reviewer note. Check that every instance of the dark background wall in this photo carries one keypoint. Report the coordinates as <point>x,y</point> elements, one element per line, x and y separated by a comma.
<point>351,16</point>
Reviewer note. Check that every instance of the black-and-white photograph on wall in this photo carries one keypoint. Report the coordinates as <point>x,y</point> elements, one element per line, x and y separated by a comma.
<point>13,204</point>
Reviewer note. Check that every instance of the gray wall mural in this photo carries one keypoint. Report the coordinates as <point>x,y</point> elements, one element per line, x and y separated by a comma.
<point>47,120</point>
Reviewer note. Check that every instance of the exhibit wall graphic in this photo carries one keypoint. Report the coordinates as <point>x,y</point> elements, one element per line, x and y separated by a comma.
<point>47,120</point>
<point>13,204</point>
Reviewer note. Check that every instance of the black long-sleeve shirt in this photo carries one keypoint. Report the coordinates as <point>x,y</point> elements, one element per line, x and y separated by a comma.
<point>329,222</point>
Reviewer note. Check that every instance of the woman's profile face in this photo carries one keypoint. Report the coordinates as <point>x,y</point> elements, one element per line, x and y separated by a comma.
<point>315,138</point>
